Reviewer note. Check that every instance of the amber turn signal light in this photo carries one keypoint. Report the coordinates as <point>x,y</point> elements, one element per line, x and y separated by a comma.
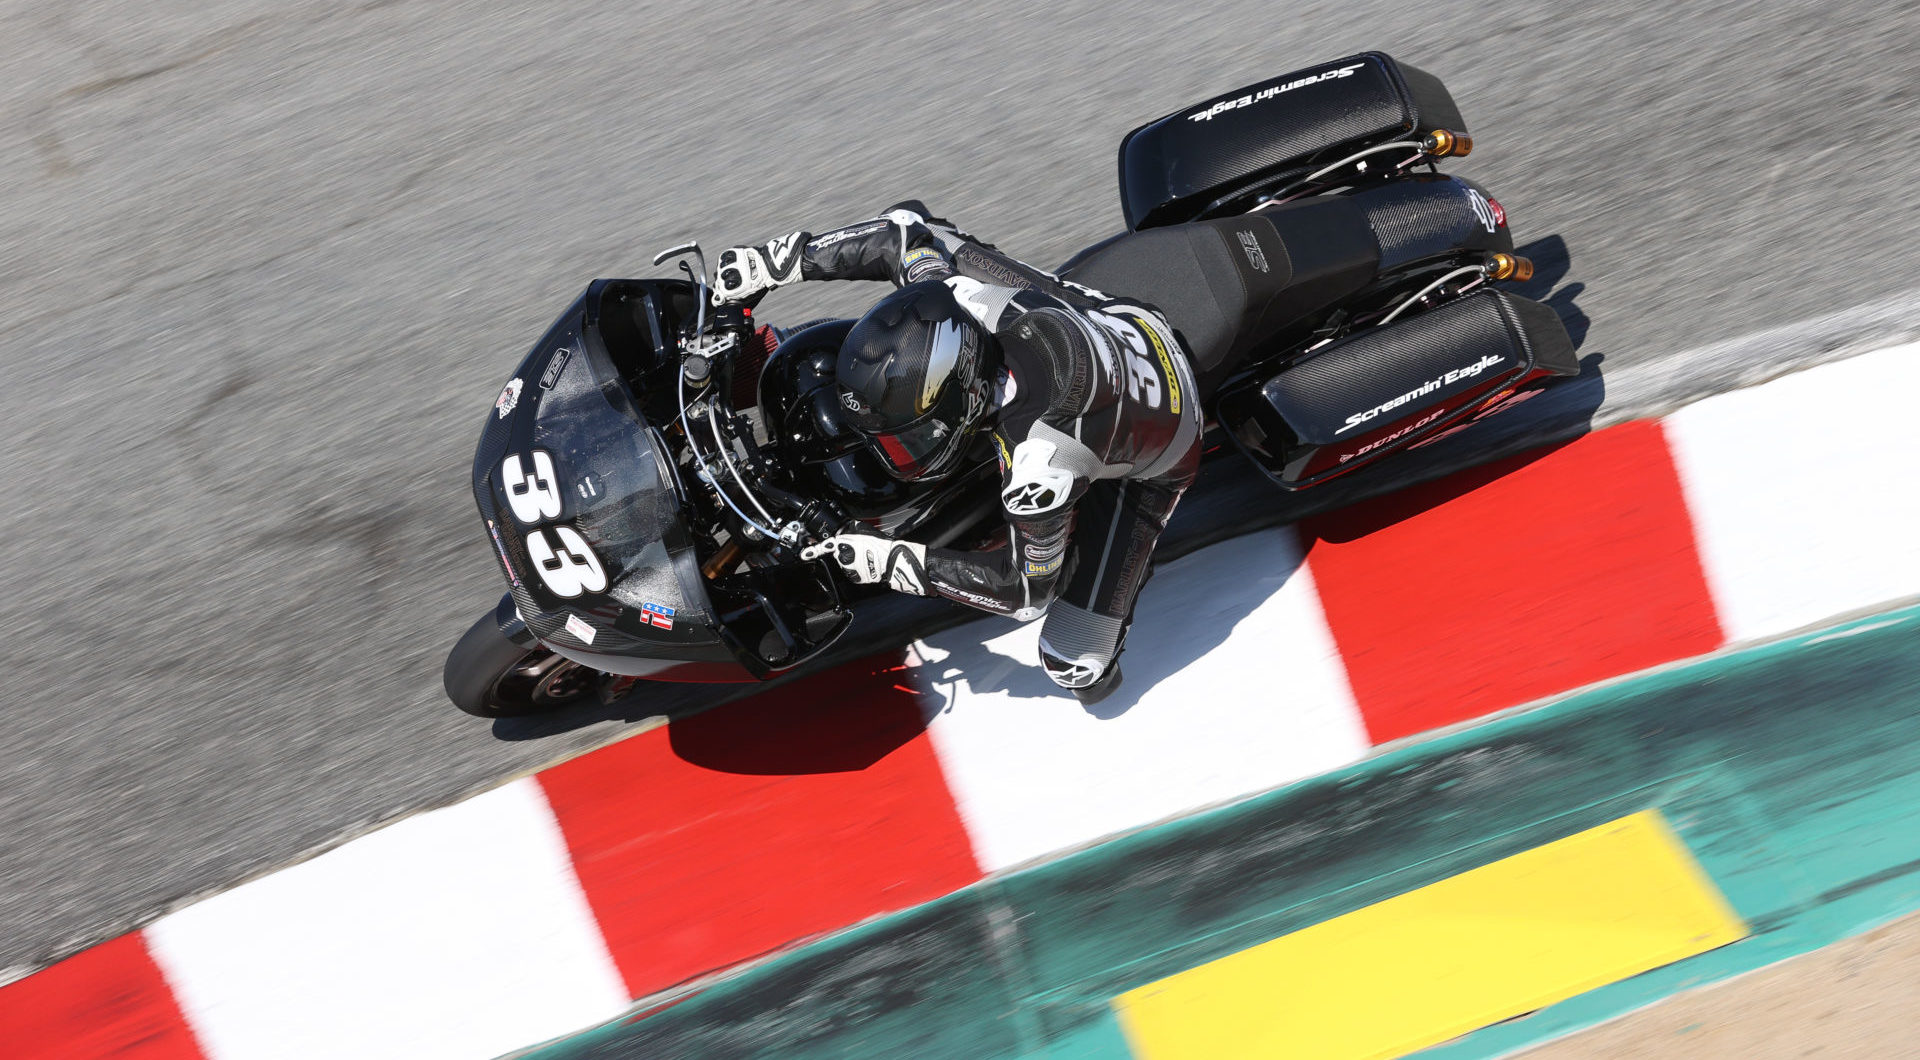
<point>1444,143</point>
<point>1510,267</point>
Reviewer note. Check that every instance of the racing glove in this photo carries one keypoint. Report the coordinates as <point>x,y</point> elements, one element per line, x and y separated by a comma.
<point>748,272</point>
<point>868,559</point>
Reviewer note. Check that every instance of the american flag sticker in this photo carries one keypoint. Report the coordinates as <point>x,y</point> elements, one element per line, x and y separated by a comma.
<point>659,614</point>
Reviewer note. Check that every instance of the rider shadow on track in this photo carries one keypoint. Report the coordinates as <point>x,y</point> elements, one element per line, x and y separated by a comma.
<point>1190,607</point>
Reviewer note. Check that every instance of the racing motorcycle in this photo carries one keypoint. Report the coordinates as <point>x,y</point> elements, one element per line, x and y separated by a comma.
<point>652,472</point>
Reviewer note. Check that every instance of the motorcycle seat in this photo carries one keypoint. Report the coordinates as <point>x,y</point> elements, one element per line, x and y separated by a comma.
<point>1194,273</point>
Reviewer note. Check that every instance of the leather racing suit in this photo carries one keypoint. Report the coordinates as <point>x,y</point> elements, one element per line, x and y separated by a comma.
<point>1098,431</point>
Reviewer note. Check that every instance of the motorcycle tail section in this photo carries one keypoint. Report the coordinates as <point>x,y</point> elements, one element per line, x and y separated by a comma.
<point>1383,389</point>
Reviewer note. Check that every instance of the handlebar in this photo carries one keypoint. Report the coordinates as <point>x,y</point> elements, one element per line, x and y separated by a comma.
<point>730,325</point>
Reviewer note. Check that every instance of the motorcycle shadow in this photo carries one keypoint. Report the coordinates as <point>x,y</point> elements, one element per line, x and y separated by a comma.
<point>838,720</point>
<point>1551,263</point>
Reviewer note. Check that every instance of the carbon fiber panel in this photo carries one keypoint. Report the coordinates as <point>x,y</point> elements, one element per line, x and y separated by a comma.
<point>1171,167</point>
<point>1385,375</point>
<point>1430,216</point>
<point>1387,388</point>
<point>1543,333</point>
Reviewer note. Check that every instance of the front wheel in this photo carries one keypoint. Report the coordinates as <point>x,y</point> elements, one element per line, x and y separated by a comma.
<point>489,676</point>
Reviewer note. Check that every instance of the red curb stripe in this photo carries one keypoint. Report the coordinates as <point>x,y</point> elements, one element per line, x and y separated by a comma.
<point>739,830</point>
<point>109,1001</point>
<point>1520,579</point>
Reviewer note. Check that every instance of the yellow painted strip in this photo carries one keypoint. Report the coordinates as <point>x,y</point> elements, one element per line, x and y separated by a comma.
<point>1433,964</point>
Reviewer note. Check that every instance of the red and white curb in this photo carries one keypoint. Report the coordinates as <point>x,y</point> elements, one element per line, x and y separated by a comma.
<point>546,905</point>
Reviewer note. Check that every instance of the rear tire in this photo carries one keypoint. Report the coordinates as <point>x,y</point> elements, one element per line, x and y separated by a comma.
<point>489,676</point>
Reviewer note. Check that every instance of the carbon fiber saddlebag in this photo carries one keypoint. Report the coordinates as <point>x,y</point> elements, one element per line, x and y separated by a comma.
<point>1277,130</point>
<point>1385,389</point>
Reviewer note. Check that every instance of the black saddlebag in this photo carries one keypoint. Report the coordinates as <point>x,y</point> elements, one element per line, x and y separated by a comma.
<point>1265,134</point>
<point>1384,389</point>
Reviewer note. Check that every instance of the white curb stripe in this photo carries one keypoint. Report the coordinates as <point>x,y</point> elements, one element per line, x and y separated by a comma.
<point>460,933</point>
<point>1238,685</point>
<point>1805,492</point>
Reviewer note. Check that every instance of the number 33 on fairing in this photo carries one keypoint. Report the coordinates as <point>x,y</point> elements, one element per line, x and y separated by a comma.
<point>570,567</point>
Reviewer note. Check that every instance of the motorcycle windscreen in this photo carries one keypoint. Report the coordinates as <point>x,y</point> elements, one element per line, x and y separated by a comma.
<point>585,515</point>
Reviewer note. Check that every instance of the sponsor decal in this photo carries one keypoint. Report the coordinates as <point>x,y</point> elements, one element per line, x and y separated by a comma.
<point>580,628</point>
<point>1079,673</point>
<point>903,572</point>
<point>1271,91</point>
<point>1002,274</point>
<point>1489,213</point>
<point>987,603</point>
<point>780,253</point>
<point>555,365</point>
<point>1251,244</point>
<point>1392,438</point>
<point>657,614</point>
<point>845,234</point>
<point>920,263</point>
<point>500,547</point>
<point>1030,498</point>
<point>509,397</point>
<point>852,401</point>
<point>1448,379</point>
<point>1037,570</point>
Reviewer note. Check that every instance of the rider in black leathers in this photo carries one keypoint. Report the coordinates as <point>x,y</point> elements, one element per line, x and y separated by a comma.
<point>1090,400</point>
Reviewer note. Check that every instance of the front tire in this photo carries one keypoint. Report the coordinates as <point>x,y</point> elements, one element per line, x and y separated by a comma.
<point>489,676</point>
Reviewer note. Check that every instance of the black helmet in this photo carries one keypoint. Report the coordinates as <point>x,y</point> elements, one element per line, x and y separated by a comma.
<point>914,378</point>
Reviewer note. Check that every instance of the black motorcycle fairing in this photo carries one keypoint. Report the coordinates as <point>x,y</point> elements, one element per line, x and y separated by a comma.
<point>568,409</point>
<point>1429,218</point>
<point>1177,168</point>
<point>1379,390</point>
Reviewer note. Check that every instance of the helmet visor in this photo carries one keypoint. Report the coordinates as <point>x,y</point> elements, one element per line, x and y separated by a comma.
<point>927,446</point>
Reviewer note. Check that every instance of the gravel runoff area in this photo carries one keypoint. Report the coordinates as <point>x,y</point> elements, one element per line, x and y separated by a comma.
<point>263,266</point>
<point>1856,998</point>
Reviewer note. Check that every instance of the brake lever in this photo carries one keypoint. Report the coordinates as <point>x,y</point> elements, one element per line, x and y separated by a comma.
<point>691,248</point>
<point>818,550</point>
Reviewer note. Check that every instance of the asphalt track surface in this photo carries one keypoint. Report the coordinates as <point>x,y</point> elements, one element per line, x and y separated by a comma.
<point>264,267</point>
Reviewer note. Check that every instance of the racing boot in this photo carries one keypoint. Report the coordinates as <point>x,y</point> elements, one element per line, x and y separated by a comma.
<point>1101,688</point>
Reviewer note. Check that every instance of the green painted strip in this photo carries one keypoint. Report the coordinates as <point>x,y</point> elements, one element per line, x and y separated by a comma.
<point>1791,771</point>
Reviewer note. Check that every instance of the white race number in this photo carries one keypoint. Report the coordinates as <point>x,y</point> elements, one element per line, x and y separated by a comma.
<point>533,495</point>
<point>568,569</point>
<point>1142,379</point>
